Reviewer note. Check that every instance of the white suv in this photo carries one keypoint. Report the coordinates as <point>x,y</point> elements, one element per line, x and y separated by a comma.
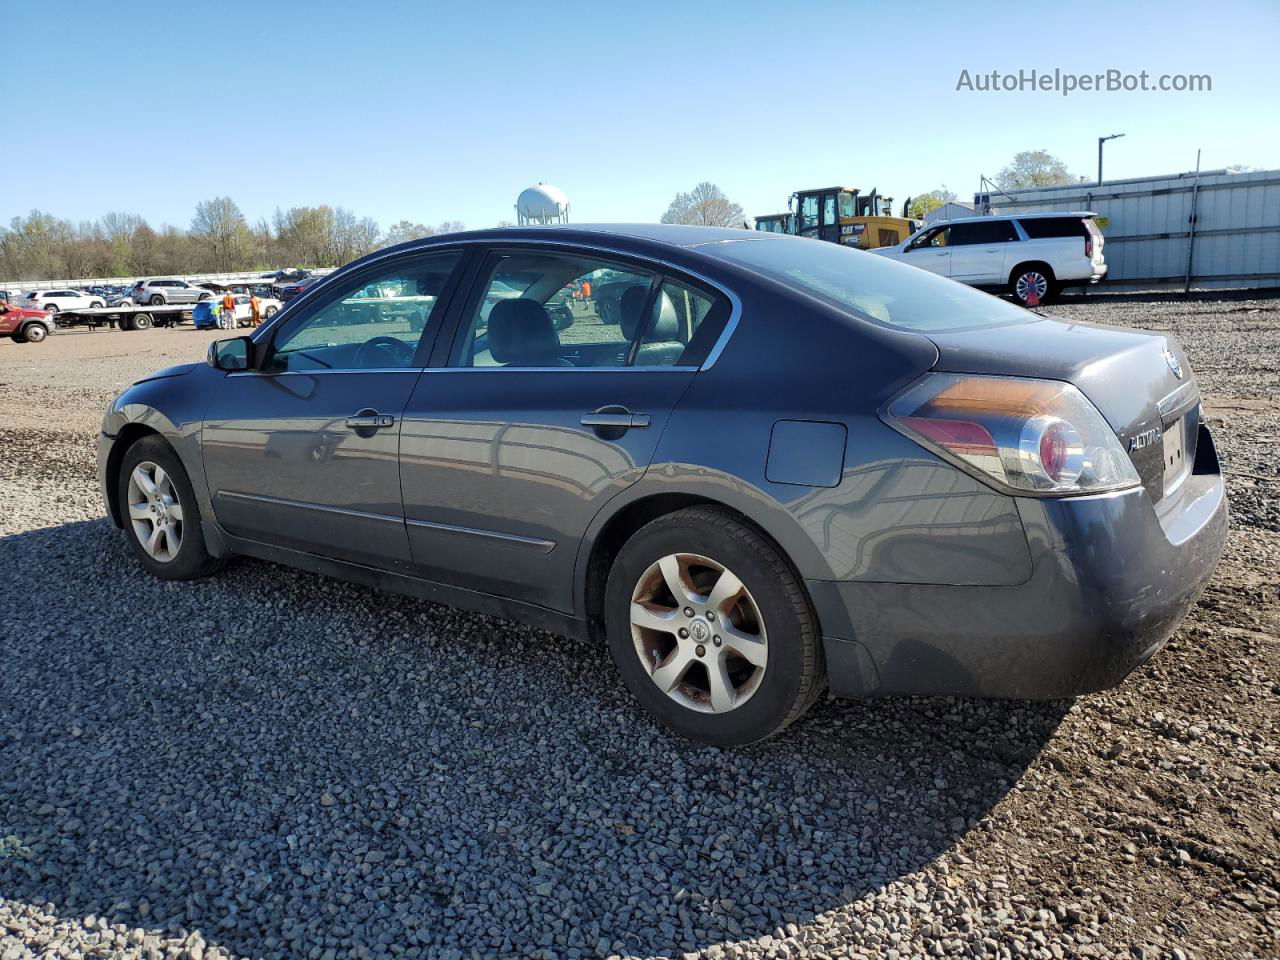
<point>157,292</point>
<point>63,298</point>
<point>1040,252</point>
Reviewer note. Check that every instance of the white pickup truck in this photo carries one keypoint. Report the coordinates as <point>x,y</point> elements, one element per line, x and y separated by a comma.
<point>1024,254</point>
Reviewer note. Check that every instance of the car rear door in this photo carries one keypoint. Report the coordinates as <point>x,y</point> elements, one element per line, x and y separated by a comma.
<point>301,452</point>
<point>979,250</point>
<point>509,449</point>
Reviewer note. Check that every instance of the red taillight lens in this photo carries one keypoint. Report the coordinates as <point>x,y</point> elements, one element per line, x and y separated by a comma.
<point>959,436</point>
<point>1088,248</point>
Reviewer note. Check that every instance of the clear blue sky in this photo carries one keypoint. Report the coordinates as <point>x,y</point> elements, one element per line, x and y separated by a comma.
<point>434,111</point>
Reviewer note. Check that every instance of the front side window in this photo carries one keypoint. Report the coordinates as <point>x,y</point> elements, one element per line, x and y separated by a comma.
<point>829,209</point>
<point>934,238</point>
<point>350,330</point>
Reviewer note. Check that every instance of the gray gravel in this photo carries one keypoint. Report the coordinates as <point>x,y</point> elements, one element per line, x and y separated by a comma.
<point>274,764</point>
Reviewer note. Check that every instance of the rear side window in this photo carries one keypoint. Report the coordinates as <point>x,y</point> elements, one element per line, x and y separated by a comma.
<point>681,326</point>
<point>1044,228</point>
<point>538,309</point>
<point>981,231</point>
<point>868,286</point>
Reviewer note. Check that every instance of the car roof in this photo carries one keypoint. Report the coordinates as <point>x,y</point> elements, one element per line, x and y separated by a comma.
<point>668,234</point>
<point>1011,216</point>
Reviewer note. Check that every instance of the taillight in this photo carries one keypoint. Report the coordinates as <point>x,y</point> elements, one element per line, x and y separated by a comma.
<point>1088,247</point>
<point>1021,435</point>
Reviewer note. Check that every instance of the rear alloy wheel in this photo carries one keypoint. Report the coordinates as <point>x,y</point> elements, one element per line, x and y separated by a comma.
<point>156,300</point>
<point>51,309</point>
<point>160,513</point>
<point>1029,279</point>
<point>699,632</point>
<point>96,305</point>
<point>710,628</point>
<point>34,332</point>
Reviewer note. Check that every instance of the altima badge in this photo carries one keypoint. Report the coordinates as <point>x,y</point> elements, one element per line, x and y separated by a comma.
<point>1140,441</point>
<point>1172,361</point>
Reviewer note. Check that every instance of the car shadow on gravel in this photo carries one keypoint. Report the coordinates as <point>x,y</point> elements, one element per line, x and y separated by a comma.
<point>281,762</point>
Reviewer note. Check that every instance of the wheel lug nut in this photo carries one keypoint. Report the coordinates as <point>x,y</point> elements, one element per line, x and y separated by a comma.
<point>711,615</point>
<point>702,651</point>
<point>684,634</point>
<point>716,640</point>
<point>688,611</point>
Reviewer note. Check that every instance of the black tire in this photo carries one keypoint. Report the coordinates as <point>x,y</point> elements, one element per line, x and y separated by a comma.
<point>140,321</point>
<point>96,304</point>
<point>1020,280</point>
<point>203,297</point>
<point>795,673</point>
<point>270,312</point>
<point>156,300</point>
<point>192,559</point>
<point>17,337</point>
<point>34,333</point>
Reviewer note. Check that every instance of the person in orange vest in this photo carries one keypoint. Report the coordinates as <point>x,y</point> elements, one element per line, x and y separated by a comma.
<point>255,309</point>
<point>228,311</point>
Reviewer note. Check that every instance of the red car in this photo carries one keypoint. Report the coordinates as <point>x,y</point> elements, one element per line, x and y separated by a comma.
<point>24,326</point>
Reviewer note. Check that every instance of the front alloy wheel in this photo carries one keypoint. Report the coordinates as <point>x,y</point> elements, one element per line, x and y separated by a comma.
<point>155,512</point>
<point>699,633</point>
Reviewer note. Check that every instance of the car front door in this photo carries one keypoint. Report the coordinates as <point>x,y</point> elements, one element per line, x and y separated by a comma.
<point>978,250</point>
<point>301,451</point>
<point>517,439</point>
<point>930,251</point>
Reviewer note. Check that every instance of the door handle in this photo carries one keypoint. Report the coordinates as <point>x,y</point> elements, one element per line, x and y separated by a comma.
<point>623,421</point>
<point>370,421</point>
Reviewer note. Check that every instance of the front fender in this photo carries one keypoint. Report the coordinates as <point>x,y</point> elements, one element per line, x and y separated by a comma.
<point>172,407</point>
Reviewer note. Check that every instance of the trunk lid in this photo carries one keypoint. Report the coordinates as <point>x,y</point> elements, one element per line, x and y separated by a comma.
<point>1140,382</point>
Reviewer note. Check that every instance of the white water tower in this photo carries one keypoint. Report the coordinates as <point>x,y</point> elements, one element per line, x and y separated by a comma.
<point>542,204</point>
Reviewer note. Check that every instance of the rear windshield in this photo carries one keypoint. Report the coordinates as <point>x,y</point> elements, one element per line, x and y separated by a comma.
<point>1042,228</point>
<point>869,285</point>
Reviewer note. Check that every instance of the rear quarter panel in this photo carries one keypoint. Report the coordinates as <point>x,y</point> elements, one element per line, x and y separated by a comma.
<point>896,513</point>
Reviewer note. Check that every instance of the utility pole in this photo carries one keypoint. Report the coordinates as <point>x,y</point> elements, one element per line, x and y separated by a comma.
<point>1101,141</point>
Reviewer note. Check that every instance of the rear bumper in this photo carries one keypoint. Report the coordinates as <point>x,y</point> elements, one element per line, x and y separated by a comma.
<point>1112,578</point>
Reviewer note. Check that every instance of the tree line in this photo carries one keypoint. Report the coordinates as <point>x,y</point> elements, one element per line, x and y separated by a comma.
<point>219,239</point>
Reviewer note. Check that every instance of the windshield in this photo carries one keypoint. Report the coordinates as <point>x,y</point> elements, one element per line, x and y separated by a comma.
<point>894,294</point>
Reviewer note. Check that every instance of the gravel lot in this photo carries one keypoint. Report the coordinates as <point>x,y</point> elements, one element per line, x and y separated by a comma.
<point>274,764</point>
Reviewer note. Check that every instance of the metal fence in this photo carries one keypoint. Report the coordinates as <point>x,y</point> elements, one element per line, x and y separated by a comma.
<point>1213,230</point>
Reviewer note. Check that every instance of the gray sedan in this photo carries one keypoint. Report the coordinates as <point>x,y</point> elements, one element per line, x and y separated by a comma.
<point>770,466</point>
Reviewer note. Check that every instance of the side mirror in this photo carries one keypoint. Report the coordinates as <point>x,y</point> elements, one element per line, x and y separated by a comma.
<point>232,354</point>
